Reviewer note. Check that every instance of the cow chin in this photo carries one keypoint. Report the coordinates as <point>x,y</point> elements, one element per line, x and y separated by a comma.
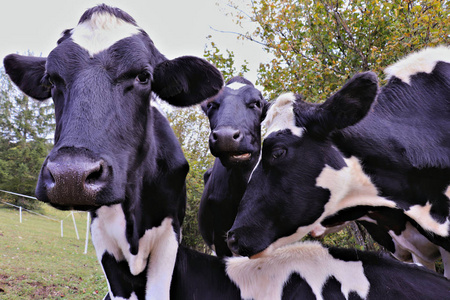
<point>72,198</point>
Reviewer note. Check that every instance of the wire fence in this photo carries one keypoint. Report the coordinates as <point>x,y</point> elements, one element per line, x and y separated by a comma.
<point>61,221</point>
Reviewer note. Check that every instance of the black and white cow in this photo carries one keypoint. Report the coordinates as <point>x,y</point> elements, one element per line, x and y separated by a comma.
<point>235,116</point>
<point>115,154</point>
<point>331,160</point>
<point>392,229</point>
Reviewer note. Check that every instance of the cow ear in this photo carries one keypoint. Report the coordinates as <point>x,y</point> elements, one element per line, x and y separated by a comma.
<point>265,107</point>
<point>27,72</point>
<point>352,102</point>
<point>204,106</point>
<point>186,80</point>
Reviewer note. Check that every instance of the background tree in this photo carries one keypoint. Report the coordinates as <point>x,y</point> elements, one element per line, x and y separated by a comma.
<point>318,44</point>
<point>191,127</point>
<point>25,128</point>
<point>224,62</point>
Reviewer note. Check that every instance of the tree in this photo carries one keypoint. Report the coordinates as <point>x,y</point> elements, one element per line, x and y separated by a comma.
<point>318,44</point>
<point>25,128</point>
<point>225,63</point>
<point>191,127</point>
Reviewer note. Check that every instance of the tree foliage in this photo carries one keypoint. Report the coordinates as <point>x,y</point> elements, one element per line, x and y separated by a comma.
<point>318,44</point>
<point>25,128</point>
<point>224,62</point>
<point>191,127</point>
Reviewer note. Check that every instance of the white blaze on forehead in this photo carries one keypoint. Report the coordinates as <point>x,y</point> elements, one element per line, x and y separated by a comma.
<point>422,61</point>
<point>236,85</point>
<point>102,31</point>
<point>264,278</point>
<point>160,244</point>
<point>281,115</point>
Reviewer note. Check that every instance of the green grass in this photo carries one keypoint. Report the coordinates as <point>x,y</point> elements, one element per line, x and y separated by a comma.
<point>37,263</point>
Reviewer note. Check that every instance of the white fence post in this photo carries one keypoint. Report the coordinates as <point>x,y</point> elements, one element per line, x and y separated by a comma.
<point>75,225</point>
<point>62,231</point>
<point>87,234</point>
<point>20,213</point>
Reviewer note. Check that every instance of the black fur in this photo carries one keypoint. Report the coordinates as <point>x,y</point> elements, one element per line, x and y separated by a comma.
<point>243,111</point>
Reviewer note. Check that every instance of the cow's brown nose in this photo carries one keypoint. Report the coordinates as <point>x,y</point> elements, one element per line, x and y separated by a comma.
<point>74,180</point>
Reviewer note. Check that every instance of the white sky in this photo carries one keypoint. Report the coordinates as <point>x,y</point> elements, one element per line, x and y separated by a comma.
<point>177,27</point>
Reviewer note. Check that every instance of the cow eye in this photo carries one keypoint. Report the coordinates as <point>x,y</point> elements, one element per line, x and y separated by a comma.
<point>277,153</point>
<point>255,104</point>
<point>143,77</point>
<point>212,105</point>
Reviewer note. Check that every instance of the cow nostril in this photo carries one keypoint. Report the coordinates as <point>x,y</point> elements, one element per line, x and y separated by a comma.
<point>47,177</point>
<point>214,136</point>
<point>94,175</point>
<point>237,135</point>
<point>97,174</point>
<point>232,242</point>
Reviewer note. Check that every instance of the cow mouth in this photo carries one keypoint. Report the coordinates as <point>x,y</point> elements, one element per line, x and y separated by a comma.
<point>239,157</point>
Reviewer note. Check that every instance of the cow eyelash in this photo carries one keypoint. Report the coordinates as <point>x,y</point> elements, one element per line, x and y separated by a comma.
<point>212,105</point>
<point>143,77</point>
<point>255,104</point>
<point>277,153</point>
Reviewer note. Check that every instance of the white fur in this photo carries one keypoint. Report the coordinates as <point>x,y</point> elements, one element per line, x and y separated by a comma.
<point>422,61</point>
<point>348,187</point>
<point>281,116</point>
<point>102,31</point>
<point>108,235</point>
<point>236,85</point>
<point>132,297</point>
<point>264,278</point>
<point>421,214</point>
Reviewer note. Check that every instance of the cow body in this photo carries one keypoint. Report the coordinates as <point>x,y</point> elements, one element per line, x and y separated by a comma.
<point>235,116</point>
<point>319,161</point>
<point>392,229</point>
<point>115,154</point>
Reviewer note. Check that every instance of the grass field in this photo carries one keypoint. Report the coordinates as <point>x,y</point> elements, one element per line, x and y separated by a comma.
<point>37,263</point>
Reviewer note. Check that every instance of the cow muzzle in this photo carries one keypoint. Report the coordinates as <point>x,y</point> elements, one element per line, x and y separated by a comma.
<point>71,180</point>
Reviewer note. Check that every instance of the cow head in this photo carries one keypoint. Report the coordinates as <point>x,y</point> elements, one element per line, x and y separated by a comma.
<point>235,116</point>
<point>283,199</point>
<point>101,77</point>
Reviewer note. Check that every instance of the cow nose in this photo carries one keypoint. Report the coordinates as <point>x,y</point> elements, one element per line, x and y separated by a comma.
<point>70,180</point>
<point>226,138</point>
<point>232,242</point>
<point>227,133</point>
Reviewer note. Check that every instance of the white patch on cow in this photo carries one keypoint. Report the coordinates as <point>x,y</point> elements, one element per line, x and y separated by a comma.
<point>349,187</point>
<point>281,116</point>
<point>264,278</point>
<point>159,244</point>
<point>257,164</point>
<point>102,31</point>
<point>421,214</point>
<point>236,85</point>
<point>132,297</point>
<point>422,61</point>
